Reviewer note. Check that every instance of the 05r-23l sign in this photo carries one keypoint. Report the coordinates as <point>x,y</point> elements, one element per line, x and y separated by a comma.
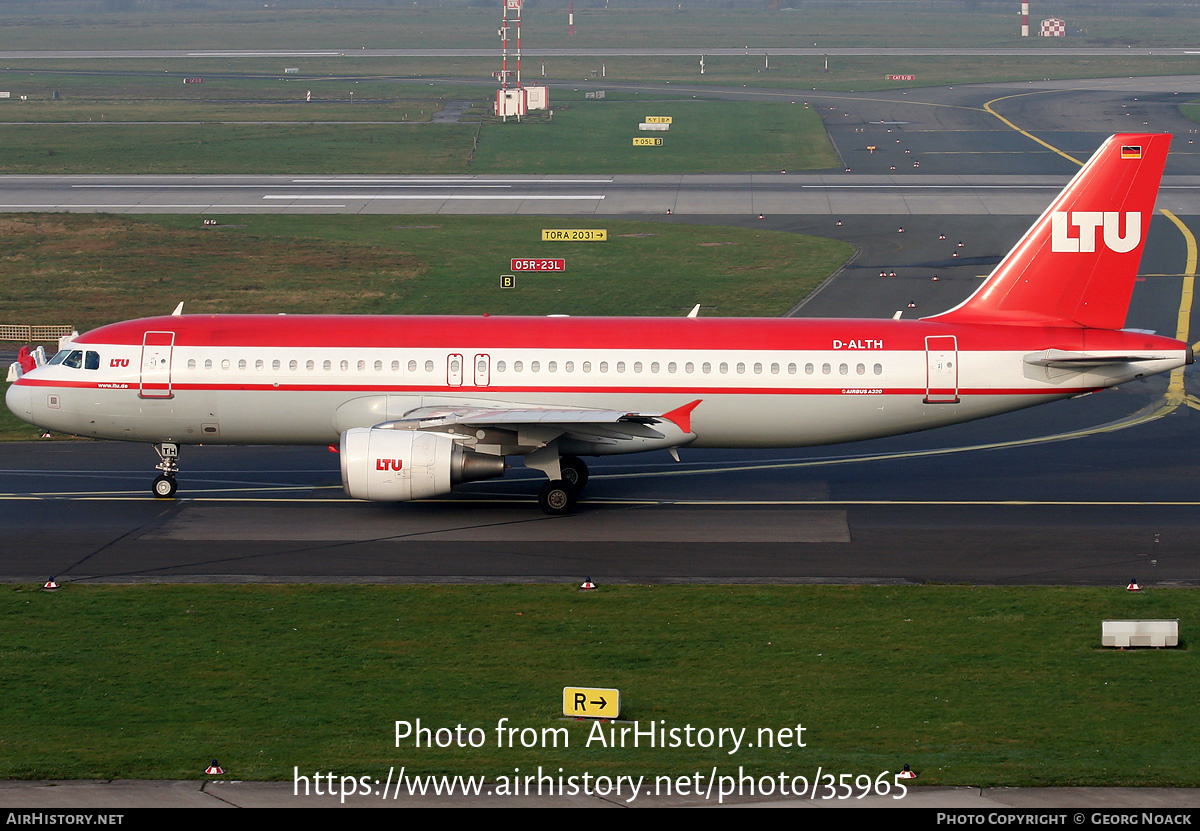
<point>538,265</point>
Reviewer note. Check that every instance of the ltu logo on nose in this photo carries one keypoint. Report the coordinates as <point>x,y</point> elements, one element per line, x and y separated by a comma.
<point>1062,222</point>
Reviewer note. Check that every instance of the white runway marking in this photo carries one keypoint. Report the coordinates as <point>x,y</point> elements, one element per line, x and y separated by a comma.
<point>566,196</point>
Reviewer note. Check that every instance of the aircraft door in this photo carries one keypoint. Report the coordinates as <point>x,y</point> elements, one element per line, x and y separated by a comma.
<point>454,370</point>
<point>483,374</point>
<point>155,377</point>
<point>941,362</point>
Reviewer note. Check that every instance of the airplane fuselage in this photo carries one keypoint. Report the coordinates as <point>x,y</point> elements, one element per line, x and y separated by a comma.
<point>760,383</point>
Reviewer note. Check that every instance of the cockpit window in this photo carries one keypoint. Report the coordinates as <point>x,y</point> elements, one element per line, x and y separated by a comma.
<point>91,360</point>
<point>58,358</point>
<point>74,359</point>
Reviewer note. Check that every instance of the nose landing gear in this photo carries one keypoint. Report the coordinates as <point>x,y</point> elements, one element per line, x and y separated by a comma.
<point>164,486</point>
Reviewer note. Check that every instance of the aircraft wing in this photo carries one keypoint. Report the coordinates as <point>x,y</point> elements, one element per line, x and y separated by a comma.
<point>533,427</point>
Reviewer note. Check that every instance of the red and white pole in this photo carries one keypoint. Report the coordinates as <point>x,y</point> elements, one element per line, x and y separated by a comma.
<point>504,49</point>
<point>1025,19</point>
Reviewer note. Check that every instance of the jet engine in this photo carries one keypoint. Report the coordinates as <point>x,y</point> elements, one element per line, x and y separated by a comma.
<point>398,465</point>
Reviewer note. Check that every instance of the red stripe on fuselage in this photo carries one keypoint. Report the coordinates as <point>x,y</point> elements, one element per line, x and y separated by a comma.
<point>578,333</point>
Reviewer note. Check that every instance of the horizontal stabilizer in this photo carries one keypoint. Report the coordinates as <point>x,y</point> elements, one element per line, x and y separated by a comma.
<point>1062,359</point>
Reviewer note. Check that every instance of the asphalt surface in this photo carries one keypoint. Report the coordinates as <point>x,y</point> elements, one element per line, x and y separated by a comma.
<point>1072,493</point>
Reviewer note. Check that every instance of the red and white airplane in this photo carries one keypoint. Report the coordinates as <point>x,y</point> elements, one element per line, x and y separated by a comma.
<point>420,404</point>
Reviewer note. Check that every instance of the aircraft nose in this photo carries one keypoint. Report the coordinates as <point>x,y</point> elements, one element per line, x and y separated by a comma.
<point>19,399</point>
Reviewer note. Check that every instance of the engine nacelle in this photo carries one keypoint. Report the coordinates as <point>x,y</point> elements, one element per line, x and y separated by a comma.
<point>399,465</point>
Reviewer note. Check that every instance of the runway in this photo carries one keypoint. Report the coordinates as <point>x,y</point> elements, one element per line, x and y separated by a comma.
<point>734,196</point>
<point>1091,491</point>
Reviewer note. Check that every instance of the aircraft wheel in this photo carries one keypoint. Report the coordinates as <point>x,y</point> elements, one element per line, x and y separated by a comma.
<point>574,472</point>
<point>557,498</point>
<point>164,487</point>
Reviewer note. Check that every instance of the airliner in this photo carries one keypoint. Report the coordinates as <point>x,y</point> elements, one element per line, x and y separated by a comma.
<point>416,405</point>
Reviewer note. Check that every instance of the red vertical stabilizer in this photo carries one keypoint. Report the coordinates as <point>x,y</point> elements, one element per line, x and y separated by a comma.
<point>1078,263</point>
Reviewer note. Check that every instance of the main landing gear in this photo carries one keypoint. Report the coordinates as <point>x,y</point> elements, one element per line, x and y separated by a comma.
<point>164,486</point>
<point>558,496</point>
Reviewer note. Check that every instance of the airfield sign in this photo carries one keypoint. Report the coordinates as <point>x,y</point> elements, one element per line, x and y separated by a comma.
<point>591,702</point>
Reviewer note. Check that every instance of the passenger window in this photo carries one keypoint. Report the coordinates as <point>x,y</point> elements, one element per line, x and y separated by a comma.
<point>689,367</point>
<point>258,364</point>
<point>412,366</point>
<point>242,363</point>
<point>569,366</point>
<point>878,368</point>
<point>275,364</point>
<point>552,366</point>
<point>429,366</point>
<point>191,363</point>
<point>808,369</point>
<point>208,363</point>
<point>758,369</point>
<point>500,366</point>
<point>293,365</point>
<point>327,365</point>
<point>518,366</point>
<point>741,368</point>
<point>826,369</point>
<point>379,366</point>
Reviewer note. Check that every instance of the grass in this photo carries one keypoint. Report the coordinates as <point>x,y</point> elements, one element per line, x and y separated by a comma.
<point>234,149</point>
<point>82,133</point>
<point>705,136</point>
<point>971,686</point>
<point>94,269</point>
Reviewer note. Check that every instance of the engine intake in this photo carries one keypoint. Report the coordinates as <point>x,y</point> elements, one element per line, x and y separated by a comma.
<point>399,465</point>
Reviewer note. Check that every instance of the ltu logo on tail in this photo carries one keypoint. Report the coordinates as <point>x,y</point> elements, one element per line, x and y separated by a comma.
<point>1063,223</point>
<point>389,464</point>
